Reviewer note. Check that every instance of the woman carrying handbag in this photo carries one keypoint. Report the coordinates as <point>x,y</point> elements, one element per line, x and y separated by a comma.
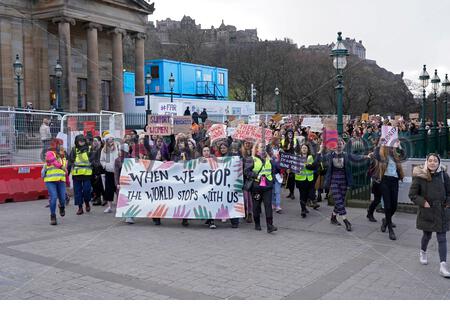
<point>430,190</point>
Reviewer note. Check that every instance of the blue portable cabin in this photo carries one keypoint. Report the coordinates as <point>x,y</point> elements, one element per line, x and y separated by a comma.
<point>191,80</point>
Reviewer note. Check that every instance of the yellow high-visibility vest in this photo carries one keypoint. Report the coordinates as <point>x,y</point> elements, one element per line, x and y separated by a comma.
<point>306,174</point>
<point>53,174</point>
<point>82,166</point>
<point>263,171</point>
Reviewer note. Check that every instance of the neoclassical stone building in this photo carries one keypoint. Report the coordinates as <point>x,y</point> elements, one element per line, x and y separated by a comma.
<point>86,37</point>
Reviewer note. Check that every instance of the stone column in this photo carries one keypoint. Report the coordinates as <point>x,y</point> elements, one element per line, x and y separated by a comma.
<point>7,59</point>
<point>68,84</point>
<point>117,70</point>
<point>139,59</point>
<point>93,84</point>
<point>40,40</point>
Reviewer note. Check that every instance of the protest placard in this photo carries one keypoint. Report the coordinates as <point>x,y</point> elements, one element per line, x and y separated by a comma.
<point>182,124</point>
<point>251,132</point>
<point>217,132</point>
<point>159,125</point>
<point>235,123</point>
<point>254,119</point>
<point>195,189</point>
<point>365,117</point>
<point>292,162</point>
<point>389,136</point>
<point>277,117</point>
<point>314,123</point>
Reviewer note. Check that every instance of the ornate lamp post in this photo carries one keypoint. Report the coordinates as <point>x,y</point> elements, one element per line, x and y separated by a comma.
<point>446,88</point>
<point>435,84</point>
<point>277,99</point>
<point>58,74</point>
<point>339,54</point>
<point>424,81</point>
<point>148,82</point>
<point>171,84</point>
<point>18,69</point>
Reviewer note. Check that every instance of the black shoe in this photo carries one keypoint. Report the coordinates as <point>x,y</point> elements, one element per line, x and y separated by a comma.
<point>62,211</point>
<point>80,211</point>
<point>289,195</point>
<point>383,225</point>
<point>97,202</point>
<point>88,207</point>
<point>371,217</point>
<point>258,227</point>
<point>393,225</point>
<point>315,206</point>
<point>381,210</point>
<point>334,221</point>
<point>157,222</point>
<point>271,228</point>
<point>392,234</point>
<point>53,221</point>
<point>185,223</point>
<point>235,225</point>
<point>293,197</point>
<point>348,225</point>
<point>306,211</point>
<point>303,214</point>
<point>319,198</point>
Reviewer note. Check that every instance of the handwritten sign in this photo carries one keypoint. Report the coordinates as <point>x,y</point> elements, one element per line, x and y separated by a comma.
<point>217,132</point>
<point>389,136</point>
<point>195,189</point>
<point>314,123</point>
<point>251,132</point>
<point>159,125</point>
<point>292,162</point>
<point>365,117</point>
<point>182,124</point>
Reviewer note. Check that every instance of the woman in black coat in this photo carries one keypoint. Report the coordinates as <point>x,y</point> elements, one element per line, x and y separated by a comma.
<point>430,190</point>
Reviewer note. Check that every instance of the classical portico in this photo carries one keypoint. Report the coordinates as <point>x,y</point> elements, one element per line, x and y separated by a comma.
<point>86,36</point>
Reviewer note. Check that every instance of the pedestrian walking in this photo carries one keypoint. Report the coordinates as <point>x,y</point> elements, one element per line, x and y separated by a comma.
<point>80,165</point>
<point>247,161</point>
<point>109,154</point>
<point>390,171</point>
<point>304,179</point>
<point>54,174</point>
<point>97,171</point>
<point>262,171</point>
<point>430,190</point>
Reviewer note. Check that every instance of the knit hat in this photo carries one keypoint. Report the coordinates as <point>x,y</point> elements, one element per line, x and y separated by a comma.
<point>50,157</point>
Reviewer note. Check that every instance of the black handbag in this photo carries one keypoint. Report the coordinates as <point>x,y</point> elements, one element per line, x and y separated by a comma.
<point>248,185</point>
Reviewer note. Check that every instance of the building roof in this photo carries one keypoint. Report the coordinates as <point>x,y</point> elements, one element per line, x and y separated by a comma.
<point>150,7</point>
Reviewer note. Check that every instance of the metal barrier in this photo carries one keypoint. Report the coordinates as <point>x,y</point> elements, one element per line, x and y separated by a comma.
<point>20,138</point>
<point>73,124</point>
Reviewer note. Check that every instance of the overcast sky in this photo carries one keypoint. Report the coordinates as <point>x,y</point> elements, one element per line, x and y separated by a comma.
<point>401,35</point>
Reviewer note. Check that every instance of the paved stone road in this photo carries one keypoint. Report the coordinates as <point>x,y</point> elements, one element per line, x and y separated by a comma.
<point>96,256</point>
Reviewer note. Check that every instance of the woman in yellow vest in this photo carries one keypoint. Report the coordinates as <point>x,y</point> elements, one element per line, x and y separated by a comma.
<point>262,170</point>
<point>80,165</point>
<point>54,174</point>
<point>304,178</point>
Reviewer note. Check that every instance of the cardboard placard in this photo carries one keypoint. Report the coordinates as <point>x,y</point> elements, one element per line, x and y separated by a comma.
<point>251,132</point>
<point>182,124</point>
<point>389,135</point>
<point>365,117</point>
<point>315,124</point>
<point>159,125</point>
<point>217,132</point>
<point>292,162</point>
<point>277,117</point>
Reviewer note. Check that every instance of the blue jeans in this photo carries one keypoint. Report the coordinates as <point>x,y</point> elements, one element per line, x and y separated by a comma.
<point>56,190</point>
<point>276,193</point>
<point>82,190</point>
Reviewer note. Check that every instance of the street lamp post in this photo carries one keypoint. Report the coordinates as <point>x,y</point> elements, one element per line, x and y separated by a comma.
<point>171,83</point>
<point>424,81</point>
<point>435,84</point>
<point>148,82</point>
<point>277,99</point>
<point>18,69</point>
<point>339,54</point>
<point>58,74</point>
<point>446,87</point>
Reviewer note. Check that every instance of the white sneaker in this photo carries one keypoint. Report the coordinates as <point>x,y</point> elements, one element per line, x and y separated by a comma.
<point>108,210</point>
<point>423,257</point>
<point>443,271</point>
<point>212,226</point>
<point>129,220</point>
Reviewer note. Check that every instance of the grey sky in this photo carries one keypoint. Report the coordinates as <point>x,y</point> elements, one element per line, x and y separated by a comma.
<point>401,35</point>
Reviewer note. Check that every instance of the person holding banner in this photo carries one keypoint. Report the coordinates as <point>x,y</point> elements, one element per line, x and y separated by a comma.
<point>108,156</point>
<point>247,161</point>
<point>262,171</point>
<point>206,154</point>
<point>304,179</point>
<point>80,165</point>
<point>289,144</point>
